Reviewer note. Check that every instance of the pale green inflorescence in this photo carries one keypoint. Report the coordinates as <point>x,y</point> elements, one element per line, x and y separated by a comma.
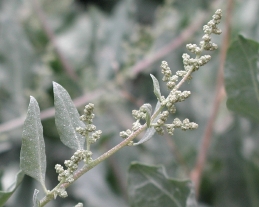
<point>91,135</point>
<point>175,95</point>
<point>89,132</point>
<point>158,120</point>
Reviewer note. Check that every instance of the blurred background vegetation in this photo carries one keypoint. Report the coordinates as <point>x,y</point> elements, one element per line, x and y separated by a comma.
<point>103,52</point>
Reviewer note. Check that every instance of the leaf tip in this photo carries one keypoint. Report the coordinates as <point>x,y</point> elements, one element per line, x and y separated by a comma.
<point>55,84</point>
<point>32,100</point>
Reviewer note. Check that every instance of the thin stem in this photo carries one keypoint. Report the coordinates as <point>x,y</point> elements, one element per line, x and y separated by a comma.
<point>184,78</point>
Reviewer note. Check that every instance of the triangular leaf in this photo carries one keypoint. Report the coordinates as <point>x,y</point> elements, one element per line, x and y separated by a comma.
<point>241,77</point>
<point>149,186</point>
<point>67,118</point>
<point>156,87</point>
<point>150,131</point>
<point>33,157</point>
<point>5,195</point>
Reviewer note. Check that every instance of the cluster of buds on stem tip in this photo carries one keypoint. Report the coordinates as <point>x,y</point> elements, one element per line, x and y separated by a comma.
<point>89,131</point>
<point>143,113</point>
<point>167,105</point>
<point>66,176</point>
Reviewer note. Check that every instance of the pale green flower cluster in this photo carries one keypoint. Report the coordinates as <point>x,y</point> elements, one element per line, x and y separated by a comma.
<point>167,105</point>
<point>89,131</point>
<point>66,176</point>
<point>144,113</point>
<point>91,135</point>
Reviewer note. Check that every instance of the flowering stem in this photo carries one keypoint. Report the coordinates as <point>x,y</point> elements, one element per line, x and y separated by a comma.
<point>95,162</point>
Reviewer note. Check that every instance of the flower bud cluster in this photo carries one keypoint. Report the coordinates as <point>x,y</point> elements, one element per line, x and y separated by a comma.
<point>190,65</point>
<point>60,192</point>
<point>166,71</point>
<point>87,118</point>
<point>142,113</point>
<point>127,133</point>
<point>184,125</point>
<point>193,63</point>
<point>211,28</point>
<point>158,126</point>
<point>89,131</point>
<point>66,176</point>
<point>206,44</point>
<point>160,116</point>
<point>174,97</point>
<point>88,113</point>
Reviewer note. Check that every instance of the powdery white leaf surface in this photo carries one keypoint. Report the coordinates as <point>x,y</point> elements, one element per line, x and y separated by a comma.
<point>67,119</point>
<point>149,186</point>
<point>33,157</point>
<point>156,87</point>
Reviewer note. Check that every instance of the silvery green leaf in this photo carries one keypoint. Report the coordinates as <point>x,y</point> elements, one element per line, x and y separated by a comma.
<point>33,157</point>
<point>147,136</point>
<point>150,131</point>
<point>241,77</point>
<point>67,119</point>
<point>156,87</point>
<point>5,195</point>
<point>149,186</point>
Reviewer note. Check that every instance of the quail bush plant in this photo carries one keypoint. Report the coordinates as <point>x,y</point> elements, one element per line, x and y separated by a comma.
<point>79,132</point>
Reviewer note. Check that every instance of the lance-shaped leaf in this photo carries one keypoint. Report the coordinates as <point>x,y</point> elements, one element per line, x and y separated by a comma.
<point>67,119</point>
<point>33,157</point>
<point>150,131</point>
<point>149,186</point>
<point>156,87</point>
<point>5,195</point>
<point>241,77</point>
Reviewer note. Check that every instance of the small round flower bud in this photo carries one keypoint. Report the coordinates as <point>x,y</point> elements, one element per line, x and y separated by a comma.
<point>88,154</point>
<point>206,38</point>
<point>170,85</point>
<point>59,168</point>
<point>177,122</point>
<point>63,194</point>
<point>124,134</point>
<point>79,205</point>
<point>128,131</point>
<point>70,179</point>
<point>135,126</point>
<point>181,73</point>
<point>193,125</point>
<point>66,173</point>
<point>74,167</point>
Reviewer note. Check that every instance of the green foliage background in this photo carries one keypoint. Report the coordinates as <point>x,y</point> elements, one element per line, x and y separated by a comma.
<point>103,43</point>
